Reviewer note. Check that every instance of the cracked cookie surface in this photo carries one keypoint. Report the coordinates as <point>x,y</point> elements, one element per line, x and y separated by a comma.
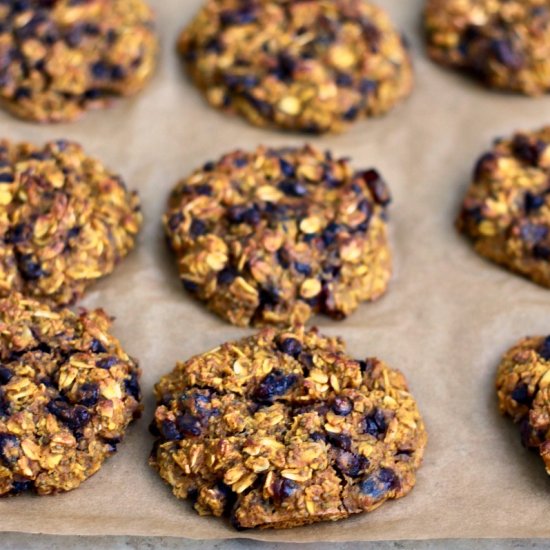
<point>313,65</point>
<point>59,58</point>
<point>67,394</point>
<point>504,43</point>
<point>65,220</point>
<point>283,429</point>
<point>506,211</point>
<point>523,388</point>
<point>276,235</point>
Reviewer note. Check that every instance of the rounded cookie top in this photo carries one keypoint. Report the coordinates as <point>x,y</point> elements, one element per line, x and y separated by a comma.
<point>523,388</point>
<point>283,429</point>
<point>505,43</point>
<point>506,211</point>
<point>276,235</point>
<point>60,57</point>
<point>65,220</point>
<point>309,65</point>
<point>67,394</point>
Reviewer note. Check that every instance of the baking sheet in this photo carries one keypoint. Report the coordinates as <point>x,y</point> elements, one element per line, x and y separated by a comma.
<point>446,320</point>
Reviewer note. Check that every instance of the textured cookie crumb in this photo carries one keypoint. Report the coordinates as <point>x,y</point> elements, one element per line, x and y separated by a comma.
<point>506,211</point>
<point>59,58</point>
<point>65,220</point>
<point>504,43</point>
<point>68,391</point>
<point>275,235</point>
<point>523,388</point>
<point>283,429</point>
<point>313,66</point>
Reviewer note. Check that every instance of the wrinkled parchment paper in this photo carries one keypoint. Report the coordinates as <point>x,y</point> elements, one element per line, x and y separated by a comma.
<point>445,322</point>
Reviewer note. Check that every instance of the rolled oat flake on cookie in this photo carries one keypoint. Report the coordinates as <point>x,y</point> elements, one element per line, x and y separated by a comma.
<point>283,429</point>
<point>274,236</point>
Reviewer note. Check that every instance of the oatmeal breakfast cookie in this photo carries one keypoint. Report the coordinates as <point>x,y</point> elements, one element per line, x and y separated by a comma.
<point>67,394</point>
<point>523,387</point>
<point>505,43</point>
<point>307,65</point>
<point>65,220</point>
<point>276,235</point>
<point>61,57</point>
<point>283,429</point>
<point>506,212</point>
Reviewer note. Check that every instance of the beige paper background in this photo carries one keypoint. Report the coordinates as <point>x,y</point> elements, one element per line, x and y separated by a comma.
<point>446,320</point>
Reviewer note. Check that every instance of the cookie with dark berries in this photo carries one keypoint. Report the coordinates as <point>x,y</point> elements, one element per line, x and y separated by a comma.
<point>68,391</point>
<point>506,211</point>
<point>65,220</point>
<point>311,66</point>
<point>523,388</point>
<point>503,43</point>
<point>59,58</point>
<point>283,429</point>
<point>273,236</point>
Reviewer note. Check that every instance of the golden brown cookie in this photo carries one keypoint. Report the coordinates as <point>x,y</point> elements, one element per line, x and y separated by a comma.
<point>506,211</point>
<point>59,58</point>
<point>276,235</point>
<point>67,394</point>
<point>504,43</point>
<point>65,220</point>
<point>523,386</point>
<point>283,429</point>
<point>307,65</point>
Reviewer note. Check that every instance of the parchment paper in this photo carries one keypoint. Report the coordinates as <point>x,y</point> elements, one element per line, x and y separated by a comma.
<point>445,322</point>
